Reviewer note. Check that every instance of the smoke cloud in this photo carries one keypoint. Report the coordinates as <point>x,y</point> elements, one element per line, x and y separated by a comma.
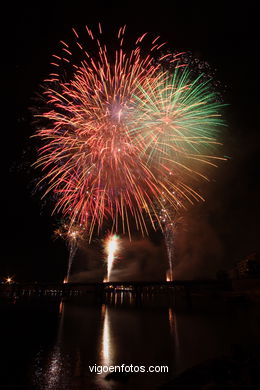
<point>138,260</point>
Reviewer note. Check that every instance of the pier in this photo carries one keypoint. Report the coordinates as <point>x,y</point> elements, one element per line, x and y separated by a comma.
<point>80,289</point>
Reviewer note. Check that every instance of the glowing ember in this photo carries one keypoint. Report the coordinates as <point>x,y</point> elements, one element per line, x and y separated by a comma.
<point>169,276</point>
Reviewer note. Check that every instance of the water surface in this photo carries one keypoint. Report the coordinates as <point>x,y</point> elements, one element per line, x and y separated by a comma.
<point>49,344</point>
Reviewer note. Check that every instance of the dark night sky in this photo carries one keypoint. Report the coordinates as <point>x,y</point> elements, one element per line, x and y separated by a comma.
<point>225,37</point>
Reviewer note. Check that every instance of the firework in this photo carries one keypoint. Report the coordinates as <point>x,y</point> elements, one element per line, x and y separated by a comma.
<point>111,247</point>
<point>72,235</point>
<point>124,135</point>
<point>178,130</point>
<point>178,126</point>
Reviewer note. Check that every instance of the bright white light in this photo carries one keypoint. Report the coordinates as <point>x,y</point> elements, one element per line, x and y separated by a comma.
<point>111,248</point>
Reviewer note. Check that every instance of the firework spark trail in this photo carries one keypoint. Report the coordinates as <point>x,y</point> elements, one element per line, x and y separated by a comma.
<point>121,133</point>
<point>111,247</point>
<point>72,235</point>
<point>168,233</point>
<point>169,242</point>
<point>72,252</point>
<point>169,221</point>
